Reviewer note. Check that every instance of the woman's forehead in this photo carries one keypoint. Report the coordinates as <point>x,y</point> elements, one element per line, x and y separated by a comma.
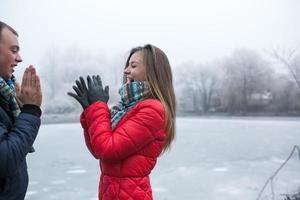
<point>136,57</point>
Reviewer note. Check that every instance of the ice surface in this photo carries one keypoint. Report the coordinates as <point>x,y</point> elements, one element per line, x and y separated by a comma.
<point>212,159</point>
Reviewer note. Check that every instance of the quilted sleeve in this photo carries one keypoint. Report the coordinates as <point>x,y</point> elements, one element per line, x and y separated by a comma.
<point>133,134</point>
<point>86,135</point>
<point>16,143</point>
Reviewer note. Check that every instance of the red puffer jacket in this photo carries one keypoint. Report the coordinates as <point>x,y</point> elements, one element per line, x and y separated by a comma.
<point>127,154</point>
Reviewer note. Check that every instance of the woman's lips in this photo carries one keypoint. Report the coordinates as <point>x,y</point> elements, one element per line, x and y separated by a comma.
<point>129,80</point>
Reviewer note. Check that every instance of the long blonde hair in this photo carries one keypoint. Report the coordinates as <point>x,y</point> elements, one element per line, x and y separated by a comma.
<point>159,77</point>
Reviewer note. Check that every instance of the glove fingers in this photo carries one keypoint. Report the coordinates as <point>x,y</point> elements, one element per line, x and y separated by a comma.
<point>83,84</point>
<point>79,86</point>
<point>98,78</point>
<point>72,95</point>
<point>76,97</point>
<point>106,90</point>
<point>94,81</point>
<point>99,82</point>
<point>89,81</point>
<point>78,92</point>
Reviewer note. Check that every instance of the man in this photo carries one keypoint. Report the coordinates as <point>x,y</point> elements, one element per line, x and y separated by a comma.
<point>19,117</point>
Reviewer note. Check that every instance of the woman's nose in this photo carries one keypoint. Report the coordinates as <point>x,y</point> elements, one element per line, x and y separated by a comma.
<point>126,71</point>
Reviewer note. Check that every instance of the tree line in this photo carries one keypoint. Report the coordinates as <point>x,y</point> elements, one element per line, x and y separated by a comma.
<point>246,82</point>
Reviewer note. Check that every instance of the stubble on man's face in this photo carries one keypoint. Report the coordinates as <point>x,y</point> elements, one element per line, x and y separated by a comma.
<point>9,53</point>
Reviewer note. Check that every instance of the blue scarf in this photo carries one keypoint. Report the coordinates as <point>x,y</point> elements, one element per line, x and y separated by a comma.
<point>131,94</point>
<point>8,98</point>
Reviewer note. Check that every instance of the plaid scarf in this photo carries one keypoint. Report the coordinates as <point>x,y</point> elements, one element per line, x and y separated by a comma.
<point>131,94</point>
<point>8,98</point>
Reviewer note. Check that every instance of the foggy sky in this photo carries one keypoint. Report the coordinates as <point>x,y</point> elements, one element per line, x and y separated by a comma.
<point>190,30</point>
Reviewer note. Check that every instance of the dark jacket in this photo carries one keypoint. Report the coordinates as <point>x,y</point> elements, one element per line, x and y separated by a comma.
<point>16,139</point>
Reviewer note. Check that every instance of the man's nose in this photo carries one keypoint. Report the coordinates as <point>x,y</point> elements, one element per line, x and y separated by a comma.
<point>18,58</point>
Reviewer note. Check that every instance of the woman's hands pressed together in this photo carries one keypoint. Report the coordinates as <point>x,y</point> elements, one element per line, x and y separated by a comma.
<point>81,92</point>
<point>88,95</point>
<point>96,92</point>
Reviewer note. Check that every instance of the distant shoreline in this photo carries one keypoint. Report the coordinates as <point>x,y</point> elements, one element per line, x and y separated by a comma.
<point>74,118</point>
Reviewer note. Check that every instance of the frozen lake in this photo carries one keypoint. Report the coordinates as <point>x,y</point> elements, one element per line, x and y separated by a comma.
<point>212,159</point>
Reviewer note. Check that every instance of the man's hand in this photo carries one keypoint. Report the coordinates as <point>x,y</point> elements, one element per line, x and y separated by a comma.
<point>95,90</point>
<point>18,93</point>
<point>31,92</point>
<point>81,93</point>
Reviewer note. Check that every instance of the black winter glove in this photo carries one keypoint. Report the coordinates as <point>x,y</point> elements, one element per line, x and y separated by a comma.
<point>95,90</point>
<point>81,93</point>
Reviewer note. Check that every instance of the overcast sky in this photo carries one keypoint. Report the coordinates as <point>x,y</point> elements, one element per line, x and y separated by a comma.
<point>190,30</point>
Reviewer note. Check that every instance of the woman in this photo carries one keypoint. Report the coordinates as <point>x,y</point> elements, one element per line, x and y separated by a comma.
<point>128,138</point>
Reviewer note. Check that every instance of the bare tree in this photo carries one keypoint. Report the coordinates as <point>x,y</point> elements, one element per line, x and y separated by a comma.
<point>60,68</point>
<point>198,86</point>
<point>289,59</point>
<point>290,85</point>
<point>245,73</point>
<point>49,70</point>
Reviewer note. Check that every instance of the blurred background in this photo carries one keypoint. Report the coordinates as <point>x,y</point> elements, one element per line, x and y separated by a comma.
<point>228,57</point>
<point>236,69</point>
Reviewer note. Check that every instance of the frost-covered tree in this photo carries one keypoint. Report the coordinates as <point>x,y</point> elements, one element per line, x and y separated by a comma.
<point>245,72</point>
<point>287,92</point>
<point>60,68</point>
<point>198,84</point>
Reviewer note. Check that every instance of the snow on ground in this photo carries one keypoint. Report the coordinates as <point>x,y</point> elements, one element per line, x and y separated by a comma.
<point>213,159</point>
